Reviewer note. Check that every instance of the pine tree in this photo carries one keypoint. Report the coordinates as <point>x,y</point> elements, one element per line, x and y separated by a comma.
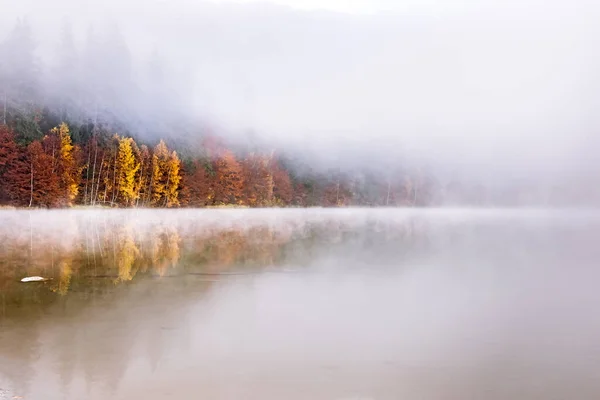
<point>20,83</point>
<point>66,74</point>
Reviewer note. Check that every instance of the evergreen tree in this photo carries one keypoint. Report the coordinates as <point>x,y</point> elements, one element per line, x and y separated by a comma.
<point>20,83</point>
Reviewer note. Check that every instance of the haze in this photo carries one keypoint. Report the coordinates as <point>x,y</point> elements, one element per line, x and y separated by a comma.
<point>488,88</point>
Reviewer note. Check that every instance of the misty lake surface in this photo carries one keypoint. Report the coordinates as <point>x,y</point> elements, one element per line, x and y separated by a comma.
<point>300,304</point>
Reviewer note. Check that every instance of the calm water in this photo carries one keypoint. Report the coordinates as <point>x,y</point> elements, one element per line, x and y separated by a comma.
<point>300,304</point>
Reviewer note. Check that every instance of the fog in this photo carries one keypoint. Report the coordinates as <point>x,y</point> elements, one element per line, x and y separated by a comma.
<point>490,89</point>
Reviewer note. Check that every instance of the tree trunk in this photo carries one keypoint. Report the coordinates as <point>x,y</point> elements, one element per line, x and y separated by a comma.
<point>137,201</point>
<point>87,176</point>
<point>167,186</point>
<point>31,186</point>
<point>99,176</point>
<point>92,200</point>
<point>114,192</point>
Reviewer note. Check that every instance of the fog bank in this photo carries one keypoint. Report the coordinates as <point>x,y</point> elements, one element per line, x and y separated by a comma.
<point>490,89</point>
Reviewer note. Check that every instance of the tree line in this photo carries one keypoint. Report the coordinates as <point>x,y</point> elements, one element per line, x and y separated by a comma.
<point>95,88</point>
<point>108,169</point>
<point>70,135</point>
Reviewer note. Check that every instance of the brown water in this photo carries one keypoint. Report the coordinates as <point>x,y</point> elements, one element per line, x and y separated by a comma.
<point>300,304</point>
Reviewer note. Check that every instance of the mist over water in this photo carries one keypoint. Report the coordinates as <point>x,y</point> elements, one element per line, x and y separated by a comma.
<point>300,304</point>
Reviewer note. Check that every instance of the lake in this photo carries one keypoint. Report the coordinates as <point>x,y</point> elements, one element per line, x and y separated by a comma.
<point>300,304</point>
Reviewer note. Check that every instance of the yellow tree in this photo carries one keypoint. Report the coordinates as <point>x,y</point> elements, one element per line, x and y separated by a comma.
<point>160,173</point>
<point>66,272</point>
<point>173,180</point>
<point>144,177</point>
<point>127,166</point>
<point>68,170</point>
<point>127,254</point>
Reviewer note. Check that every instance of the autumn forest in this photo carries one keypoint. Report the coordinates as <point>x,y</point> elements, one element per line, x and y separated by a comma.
<point>84,131</point>
<point>97,125</point>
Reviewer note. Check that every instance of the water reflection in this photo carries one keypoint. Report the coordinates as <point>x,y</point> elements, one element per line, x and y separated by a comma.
<point>300,304</point>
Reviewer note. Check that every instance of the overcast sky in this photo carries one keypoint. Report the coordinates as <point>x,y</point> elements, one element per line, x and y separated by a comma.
<point>475,84</point>
<point>352,6</point>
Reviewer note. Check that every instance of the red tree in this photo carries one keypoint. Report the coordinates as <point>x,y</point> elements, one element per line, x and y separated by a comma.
<point>300,197</point>
<point>283,190</point>
<point>258,181</point>
<point>228,188</point>
<point>197,183</point>
<point>31,181</point>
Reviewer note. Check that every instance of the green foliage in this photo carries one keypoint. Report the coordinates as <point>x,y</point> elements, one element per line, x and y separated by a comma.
<point>48,120</point>
<point>26,129</point>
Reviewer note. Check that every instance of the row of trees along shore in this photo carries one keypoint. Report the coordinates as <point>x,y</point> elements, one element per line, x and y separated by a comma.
<point>59,145</point>
<point>107,169</point>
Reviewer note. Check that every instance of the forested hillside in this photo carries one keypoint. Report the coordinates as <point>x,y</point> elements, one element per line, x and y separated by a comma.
<point>96,126</point>
<point>105,168</point>
<point>86,130</point>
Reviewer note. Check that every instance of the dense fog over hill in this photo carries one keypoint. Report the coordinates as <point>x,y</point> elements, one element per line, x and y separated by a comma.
<point>492,93</point>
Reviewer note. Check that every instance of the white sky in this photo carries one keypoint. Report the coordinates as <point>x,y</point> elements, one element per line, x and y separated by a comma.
<point>508,83</point>
<point>346,6</point>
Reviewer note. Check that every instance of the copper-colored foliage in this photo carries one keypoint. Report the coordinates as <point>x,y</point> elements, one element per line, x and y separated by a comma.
<point>112,170</point>
<point>8,154</point>
<point>30,180</point>
<point>229,184</point>
<point>258,181</point>
<point>283,190</point>
<point>197,185</point>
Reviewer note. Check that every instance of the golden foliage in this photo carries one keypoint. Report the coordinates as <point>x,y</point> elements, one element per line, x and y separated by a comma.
<point>69,170</point>
<point>64,280</point>
<point>166,176</point>
<point>173,180</point>
<point>128,167</point>
<point>127,254</point>
<point>160,160</point>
